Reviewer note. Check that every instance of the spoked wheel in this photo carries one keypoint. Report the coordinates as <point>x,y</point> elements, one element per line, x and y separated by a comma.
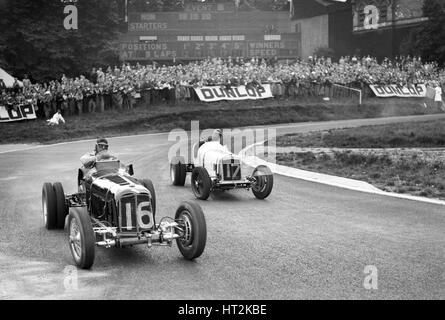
<point>178,172</point>
<point>49,206</point>
<point>190,218</point>
<point>262,187</point>
<point>201,183</point>
<point>81,237</point>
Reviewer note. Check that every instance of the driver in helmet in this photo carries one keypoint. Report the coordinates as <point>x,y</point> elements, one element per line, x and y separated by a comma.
<point>100,152</point>
<point>215,137</point>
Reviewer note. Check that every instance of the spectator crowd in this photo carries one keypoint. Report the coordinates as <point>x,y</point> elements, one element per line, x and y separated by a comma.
<point>120,87</point>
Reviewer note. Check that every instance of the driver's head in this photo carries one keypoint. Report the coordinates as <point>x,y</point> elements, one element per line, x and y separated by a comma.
<point>217,135</point>
<point>101,144</point>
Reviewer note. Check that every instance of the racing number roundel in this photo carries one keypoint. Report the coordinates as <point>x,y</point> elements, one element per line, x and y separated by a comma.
<point>133,216</point>
<point>144,215</point>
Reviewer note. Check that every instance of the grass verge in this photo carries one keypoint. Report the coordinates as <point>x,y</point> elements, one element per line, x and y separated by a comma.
<point>146,119</point>
<point>414,167</point>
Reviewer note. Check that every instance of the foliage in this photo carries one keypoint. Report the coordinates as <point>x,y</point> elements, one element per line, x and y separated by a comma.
<point>35,42</point>
<point>428,39</point>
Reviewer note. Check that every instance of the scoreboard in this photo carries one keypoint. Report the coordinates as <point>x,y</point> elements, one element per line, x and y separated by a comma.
<point>209,30</point>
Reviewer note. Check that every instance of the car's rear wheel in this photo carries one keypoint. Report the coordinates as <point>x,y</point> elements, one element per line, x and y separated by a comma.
<point>147,183</point>
<point>262,187</point>
<point>201,183</point>
<point>191,219</point>
<point>61,207</point>
<point>81,237</point>
<point>178,172</point>
<point>49,206</point>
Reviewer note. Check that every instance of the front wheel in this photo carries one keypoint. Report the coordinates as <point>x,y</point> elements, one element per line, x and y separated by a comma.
<point>190,218</point>
<point>82,240</point>
<point>201,183</point>
<point>262,187</point>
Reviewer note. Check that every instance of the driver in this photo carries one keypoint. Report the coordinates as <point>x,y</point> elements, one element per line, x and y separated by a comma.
<point>215,137</point>
<point>100,153</point>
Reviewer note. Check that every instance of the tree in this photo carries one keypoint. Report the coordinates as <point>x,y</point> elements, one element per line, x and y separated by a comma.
<point>34,41</point>
<point>428,39</point>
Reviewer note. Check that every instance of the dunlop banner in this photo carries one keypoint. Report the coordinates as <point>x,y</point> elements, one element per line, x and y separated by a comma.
<point>394,90</point>
<point>21,112</point>
<point>217,93</point>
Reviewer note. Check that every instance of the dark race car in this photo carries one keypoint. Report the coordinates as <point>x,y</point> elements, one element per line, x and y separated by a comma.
<point>113,209</point>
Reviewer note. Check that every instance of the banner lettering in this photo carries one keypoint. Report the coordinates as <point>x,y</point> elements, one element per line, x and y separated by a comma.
<point>217,93</point>
<point>394,90</point>
<point>21,112</point>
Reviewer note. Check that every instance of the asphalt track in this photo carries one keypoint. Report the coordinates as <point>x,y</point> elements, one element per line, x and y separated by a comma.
<point>306,241</point>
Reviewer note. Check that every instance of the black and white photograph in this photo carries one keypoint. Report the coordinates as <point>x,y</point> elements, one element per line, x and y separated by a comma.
<point>225,155</point>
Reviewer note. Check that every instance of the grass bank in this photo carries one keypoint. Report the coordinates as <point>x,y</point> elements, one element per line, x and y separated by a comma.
<point>403,158</point>
<point>146,119</point>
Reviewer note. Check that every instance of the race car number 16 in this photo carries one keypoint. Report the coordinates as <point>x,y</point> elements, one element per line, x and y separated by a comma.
<point>144,218</point>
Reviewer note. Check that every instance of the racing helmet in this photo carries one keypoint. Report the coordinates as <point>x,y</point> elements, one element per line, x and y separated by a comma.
<point>101,144</point>
<point>217,135</point>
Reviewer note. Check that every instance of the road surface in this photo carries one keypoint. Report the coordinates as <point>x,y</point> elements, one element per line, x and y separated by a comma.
<point>306,241</point>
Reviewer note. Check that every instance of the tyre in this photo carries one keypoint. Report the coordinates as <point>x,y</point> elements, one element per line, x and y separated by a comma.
<point>201,183</point>
<point>49,206</point>
<point>147,183</point>
<point>82,240</point>
<point>61,207</point>
<point>191,219</point>
<point>263,185</point>
<point>178,172</point>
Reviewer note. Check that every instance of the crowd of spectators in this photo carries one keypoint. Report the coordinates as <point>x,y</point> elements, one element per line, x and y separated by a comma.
<point>121,87</point>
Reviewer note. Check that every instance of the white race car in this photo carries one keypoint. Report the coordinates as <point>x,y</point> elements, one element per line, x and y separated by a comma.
<point>216,168</point>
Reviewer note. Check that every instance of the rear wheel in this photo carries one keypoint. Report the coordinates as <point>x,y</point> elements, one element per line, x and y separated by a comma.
<point>82,240</point>
<point>178,172</point>
<point>262,187</point>
<point>49,206</point>
<point>191,219</point>
<point>201,183</point>
<point>147,183</point>
<point>62,208</point>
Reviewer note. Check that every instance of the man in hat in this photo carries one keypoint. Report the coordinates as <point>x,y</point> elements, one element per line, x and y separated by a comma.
<point>100,152</point>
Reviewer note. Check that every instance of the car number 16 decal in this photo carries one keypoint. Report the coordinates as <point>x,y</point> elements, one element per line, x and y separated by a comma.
<point>141,217</point>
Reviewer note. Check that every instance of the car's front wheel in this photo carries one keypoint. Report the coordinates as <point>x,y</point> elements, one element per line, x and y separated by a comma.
<point>262,187</point>
<point>191,220</point>
<point>81,237</point>
<point>201,183</point>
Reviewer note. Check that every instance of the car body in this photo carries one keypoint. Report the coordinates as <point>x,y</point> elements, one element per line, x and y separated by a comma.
<point>216,168</point>
<point>114,209</point>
